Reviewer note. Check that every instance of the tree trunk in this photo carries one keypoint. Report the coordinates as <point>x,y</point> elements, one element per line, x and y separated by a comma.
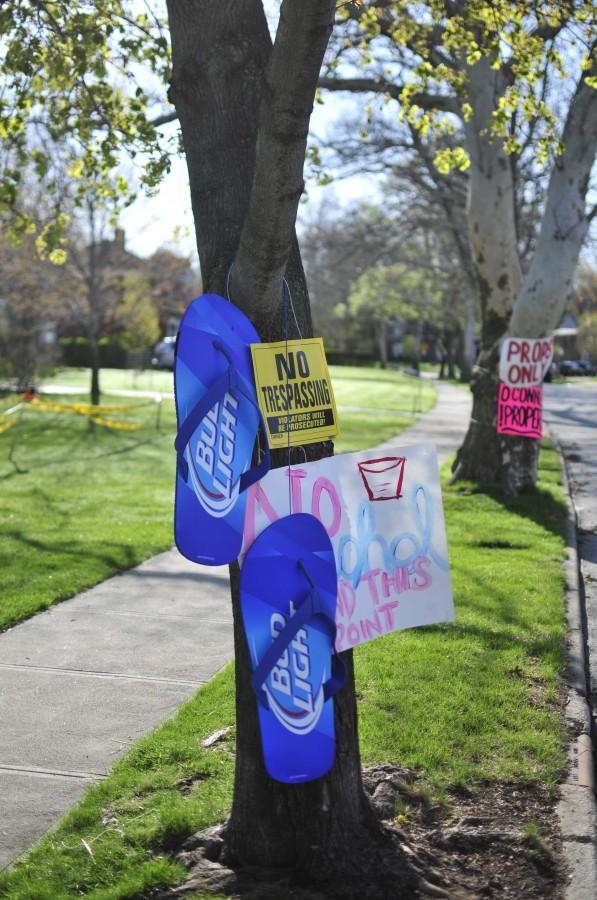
<point>312,826</point>
<point>449,342</point>
<point>381,336</point>
<point>468,342</point>
<point>539,302</point>
<point>93,297</point>
<point>95,370</point>
<point>244,111</point>
<point>484,456</point>
<point>444,357</point>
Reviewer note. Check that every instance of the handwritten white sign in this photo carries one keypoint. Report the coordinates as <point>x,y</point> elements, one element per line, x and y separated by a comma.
<point>524,362</point>
<point>383,513</point>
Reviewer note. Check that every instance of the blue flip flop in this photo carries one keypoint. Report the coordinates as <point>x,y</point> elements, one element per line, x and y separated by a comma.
<point>218,419</point>
<point>288,591</point>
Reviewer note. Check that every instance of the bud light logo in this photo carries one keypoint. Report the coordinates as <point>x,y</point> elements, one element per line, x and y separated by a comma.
<point>289,692</point>
<point>211,458</point>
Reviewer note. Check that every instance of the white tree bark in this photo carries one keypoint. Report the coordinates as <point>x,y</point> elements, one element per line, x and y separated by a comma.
<point>490,209</point>
<point>548,283</point>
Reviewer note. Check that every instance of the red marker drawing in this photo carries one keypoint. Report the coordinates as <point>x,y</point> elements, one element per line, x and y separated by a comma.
<point>383,477</point>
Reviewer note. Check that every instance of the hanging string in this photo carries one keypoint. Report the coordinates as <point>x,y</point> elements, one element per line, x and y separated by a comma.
<point>228,274</point>
<point>285,298</point>
<point>285,284</point>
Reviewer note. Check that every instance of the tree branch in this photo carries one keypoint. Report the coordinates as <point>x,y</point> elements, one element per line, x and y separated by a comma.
<point>163,119</point>
<point>268,232</point>
<point>439,102</point>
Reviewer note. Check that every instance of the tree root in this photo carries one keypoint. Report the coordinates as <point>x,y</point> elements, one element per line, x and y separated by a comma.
<point>384,866</point>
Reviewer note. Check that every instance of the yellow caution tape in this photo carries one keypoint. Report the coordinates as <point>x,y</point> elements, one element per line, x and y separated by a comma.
<point>95,413</point>
<point>111,423</point>
<point>83,409</point>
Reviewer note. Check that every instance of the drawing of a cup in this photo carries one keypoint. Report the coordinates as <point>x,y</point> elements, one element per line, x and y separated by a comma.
<point>383,477</point>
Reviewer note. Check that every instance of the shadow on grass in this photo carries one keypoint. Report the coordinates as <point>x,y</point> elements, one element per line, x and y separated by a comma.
<point>123,556</point>
<point>537,504</point>
<point>71,458</point>
<point>538,644</point>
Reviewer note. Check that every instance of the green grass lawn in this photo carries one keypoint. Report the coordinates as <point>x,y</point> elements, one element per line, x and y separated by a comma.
<point>381,389</point>
<point>80,505</point>
<point>474,700</point>
<point>353,386</point>
<point>114,379</point>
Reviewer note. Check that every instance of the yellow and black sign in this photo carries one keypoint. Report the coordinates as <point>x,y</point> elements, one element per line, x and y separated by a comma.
<point>295,393</point>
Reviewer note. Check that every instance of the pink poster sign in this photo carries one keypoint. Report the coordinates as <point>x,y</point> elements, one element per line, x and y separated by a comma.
<point>383,514</point>
<point>520,411</point>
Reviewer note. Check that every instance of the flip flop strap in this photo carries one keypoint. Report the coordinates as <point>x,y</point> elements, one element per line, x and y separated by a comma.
<point>230,381</point>
<point>311,606</point>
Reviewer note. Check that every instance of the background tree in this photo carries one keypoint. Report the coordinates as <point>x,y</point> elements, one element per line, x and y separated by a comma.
<point>587,336</point>
<point>395,293</point>
<point>417,199</point>
<point>416,222</point>
<point>338,244</point>
<point>97,274</point>
<point>137,314</point>
<point>585,290</point>
<point>489,66</point>
<point>71,103</point>
<point>582,307</point>
<point>31,306</point>
<point>173,279</point>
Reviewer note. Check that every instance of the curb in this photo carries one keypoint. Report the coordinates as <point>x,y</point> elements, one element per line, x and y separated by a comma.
<point>577,808</point>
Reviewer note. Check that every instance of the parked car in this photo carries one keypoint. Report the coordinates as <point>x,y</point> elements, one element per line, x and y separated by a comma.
<point>587,367</point>
<point>571,367</point>
<point>163,353</point>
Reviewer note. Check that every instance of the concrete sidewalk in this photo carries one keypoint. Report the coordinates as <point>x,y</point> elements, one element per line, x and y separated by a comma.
<point>82,681</point>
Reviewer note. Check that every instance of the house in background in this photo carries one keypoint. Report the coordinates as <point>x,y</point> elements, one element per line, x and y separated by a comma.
<point>565,346</point>
<point>115,299</point>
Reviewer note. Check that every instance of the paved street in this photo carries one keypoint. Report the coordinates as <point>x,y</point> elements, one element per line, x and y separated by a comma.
<point>571,414</point>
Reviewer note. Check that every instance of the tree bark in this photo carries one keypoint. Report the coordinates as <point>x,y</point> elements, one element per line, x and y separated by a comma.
<point>450,355</point>
<point>381,336</point>
<point>529,309</point>
<point>468,342</point>
<point>93,301</point>
<point>549,281</point>
<point>244,112</point>
<point>95,370</point>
